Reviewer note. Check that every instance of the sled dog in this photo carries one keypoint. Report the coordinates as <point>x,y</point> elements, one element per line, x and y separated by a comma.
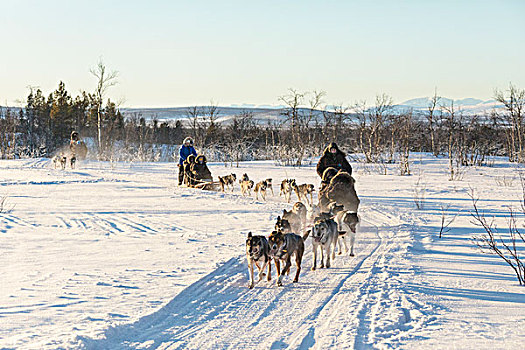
<point>227,181</point>
<point>304,190</point>
<point>57,160</point>
<point>246,187</point>
<point>296,217</point>
<point>333,209</point>
<point>258,253</point>
<point>261,186</point>
<point>348,222</point>
<point>269,185</point>
<point>283,225</point>
<point>73,161</point>
<point>312,211</point>
<point>324,235</point>
<point>63,162</point>
<point>287,186</point>
<point>282,247</point>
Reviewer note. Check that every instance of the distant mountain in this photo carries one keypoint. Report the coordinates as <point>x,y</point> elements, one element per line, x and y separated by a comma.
<point>263,114</point>
<point>466,105</point>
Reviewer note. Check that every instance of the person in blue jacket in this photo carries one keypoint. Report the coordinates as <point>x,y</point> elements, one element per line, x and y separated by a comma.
<point>185,150</point>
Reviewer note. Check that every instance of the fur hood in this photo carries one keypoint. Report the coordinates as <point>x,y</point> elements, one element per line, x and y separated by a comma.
<point>330,146</point>
<point>342,177</point>
<point>188,139</point>
<point>201,157</point>
<point>190,159</point>
<point>328,174</point>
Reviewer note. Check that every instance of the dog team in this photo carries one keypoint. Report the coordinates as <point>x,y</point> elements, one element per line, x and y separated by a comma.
<point>329,224</point>
<point>262,187</point>
<point>61,160</point>
<point>77,149</point>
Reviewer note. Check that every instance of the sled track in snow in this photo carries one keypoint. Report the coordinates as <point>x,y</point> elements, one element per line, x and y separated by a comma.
<point>326,308</point>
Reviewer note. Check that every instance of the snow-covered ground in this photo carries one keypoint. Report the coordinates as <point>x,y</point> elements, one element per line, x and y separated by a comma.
<point>114,255</point>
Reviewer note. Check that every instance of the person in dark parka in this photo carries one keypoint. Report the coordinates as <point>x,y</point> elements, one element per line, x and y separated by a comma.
<point>77,147</point>
<point>185,150</point>
<point>333,157</point>
<point>199,170</point>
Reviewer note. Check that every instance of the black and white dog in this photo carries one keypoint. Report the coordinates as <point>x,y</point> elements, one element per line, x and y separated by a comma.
<point>258,253</point>
<point>283,225</point>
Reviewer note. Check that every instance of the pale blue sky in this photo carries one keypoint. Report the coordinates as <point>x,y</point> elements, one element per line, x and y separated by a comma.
<point>179,53</point>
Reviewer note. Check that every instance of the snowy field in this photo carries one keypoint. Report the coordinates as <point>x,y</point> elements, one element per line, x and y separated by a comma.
<point>114,255</point>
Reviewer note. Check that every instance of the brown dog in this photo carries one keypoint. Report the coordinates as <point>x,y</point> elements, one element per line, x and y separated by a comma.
<point>304,190</point>
<point>287,186</point>
<point>227,181</point>
<point>282,247</point>
<point>246,187</point>
<point>261,186</point>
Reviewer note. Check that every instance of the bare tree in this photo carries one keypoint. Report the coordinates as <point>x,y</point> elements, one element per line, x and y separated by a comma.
<point>419,193</point>
<point>431,120</point>
<point>452,124</point>
<point>301,120</point>
<point>514,103</point>
<point>193,114</point>
<point>210,115</point>
<point>446,221</point>
<point>405,125</point>
<point>239,139</point>
<point>293,100</point>
<point>491,242</point>
<point>105,80</point>
<point>371,122</point>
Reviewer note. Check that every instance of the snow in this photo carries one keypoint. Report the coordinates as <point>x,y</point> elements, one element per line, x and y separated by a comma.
<point>114,255</point>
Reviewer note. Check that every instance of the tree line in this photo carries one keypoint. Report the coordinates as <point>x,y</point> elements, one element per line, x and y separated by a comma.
<point>379,132</point>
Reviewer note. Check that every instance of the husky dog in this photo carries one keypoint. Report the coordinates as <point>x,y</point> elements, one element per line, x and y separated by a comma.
<point>269,185</point>
<point>246,186</point>
<point>261,186</point>
<point>304,190</point>
<point>72,161</point>
<point>63,161</point>
<point>333,209</point>
<point>296,217</point>
<point>57,160</point>
<point>348,222</point>
<point>287,186</point>
<point>244,177</point>
<point>312,211</point>
<point>283,225</point>
<point>258,252</point>
<point>282,247</point>
<point>324,234</point>
<point>227,181</point>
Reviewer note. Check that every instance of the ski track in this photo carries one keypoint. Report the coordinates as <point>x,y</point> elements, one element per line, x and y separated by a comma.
<point>219,311</point>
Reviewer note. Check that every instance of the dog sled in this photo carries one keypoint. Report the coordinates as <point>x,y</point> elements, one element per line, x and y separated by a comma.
<point>197,175</point>
<point>209,185</point>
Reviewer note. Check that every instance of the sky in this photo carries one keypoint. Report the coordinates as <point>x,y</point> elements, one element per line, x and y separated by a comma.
<point>181,53</point>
